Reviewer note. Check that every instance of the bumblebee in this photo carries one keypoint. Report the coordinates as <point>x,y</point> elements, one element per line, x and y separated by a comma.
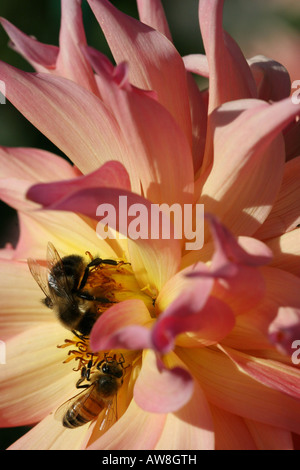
<point>98,395</point>
<point>64,284</point>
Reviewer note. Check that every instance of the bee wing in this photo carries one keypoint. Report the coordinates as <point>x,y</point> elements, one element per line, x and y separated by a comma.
<point>108,416</point>
<point>53,258</point>
<point>59,282</point>
<point>62,409</point>
<point>39,274</point>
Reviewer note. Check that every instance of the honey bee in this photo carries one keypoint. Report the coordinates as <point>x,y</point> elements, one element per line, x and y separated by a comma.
<point>63,283</point>
<point>99,396</point>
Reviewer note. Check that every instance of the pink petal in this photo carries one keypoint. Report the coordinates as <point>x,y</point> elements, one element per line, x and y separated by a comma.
<point>210,322</point>
<point>71,62</point>
<point>41,56</point>
<point>161,180</point>
<point>274,374</point>
<point>72,117</point>
<point>151,56</point>
<point>197,63</point>
<point>121,327</point>
<point>272,79</point>
<point>228,250</point>
<point>284,331</point>
<point>111,174</point>
<point>230,76</point>
<point>162,390</point>
<point>198,105</point>
<point>151,12</point>
<point>249,141</point>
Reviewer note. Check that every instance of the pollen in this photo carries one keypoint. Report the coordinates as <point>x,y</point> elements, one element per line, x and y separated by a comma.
<point>117,283</point>
<point>80,352</point>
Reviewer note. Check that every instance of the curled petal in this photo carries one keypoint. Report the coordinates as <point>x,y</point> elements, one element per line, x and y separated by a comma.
<point>121,327</point>
<point>162,390</point>
<point>210,324</point>
<point>111,174</point>
<point>197,63</point>
<point>41,56</point>
<point>272,79</point>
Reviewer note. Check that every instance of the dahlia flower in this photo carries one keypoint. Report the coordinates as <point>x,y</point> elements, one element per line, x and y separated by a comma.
<point>207,335</point>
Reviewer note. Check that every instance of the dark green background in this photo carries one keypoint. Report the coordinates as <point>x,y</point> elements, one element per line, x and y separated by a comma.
<point>41,18</point>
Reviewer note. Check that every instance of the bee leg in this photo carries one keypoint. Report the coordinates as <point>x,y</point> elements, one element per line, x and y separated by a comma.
<point>85,375</point>
<point>92,264</point>
<point>87,296</point>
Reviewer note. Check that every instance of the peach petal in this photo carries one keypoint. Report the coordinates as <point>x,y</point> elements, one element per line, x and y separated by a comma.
<point>286,251</point>
<point>68,232</point>
<point>284,215</point>
<point>269,437</point>
<point>33,165</point>
<point>231,431</point>
<point>27,394</point>
<point>19,313</point>
<point>229,389</point>
<point>72,117</point>
<point>148,59</point>
<point>161,180</point>
<point>121,327</point>
<point>41,56</point>
<point>250,162</point>
<point>131,432</point>
<point>49,434</point>
<point>191,427</point>
<point>161,390</point>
